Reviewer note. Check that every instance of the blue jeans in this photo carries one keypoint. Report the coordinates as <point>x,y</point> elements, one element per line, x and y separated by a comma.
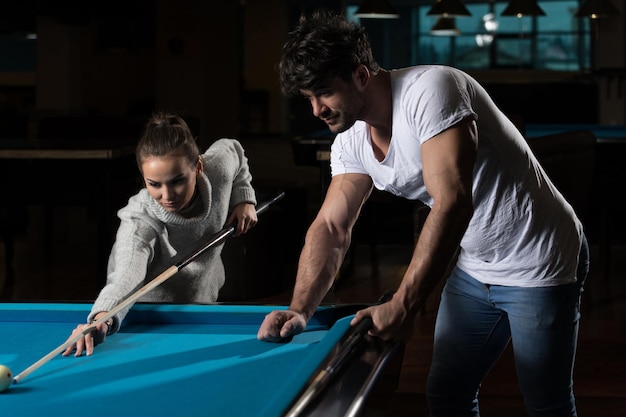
<point>475,323</point>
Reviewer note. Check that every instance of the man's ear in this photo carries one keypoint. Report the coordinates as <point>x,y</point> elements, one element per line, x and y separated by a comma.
<point>199,165</point>
<point>361,76</point>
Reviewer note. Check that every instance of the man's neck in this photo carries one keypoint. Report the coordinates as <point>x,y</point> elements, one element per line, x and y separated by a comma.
<point>379,112</point>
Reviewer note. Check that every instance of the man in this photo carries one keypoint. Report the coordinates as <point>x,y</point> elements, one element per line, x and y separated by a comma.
<point>432,133</point>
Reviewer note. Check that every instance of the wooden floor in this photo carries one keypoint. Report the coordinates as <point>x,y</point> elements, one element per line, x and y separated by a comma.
<point>600,383</point>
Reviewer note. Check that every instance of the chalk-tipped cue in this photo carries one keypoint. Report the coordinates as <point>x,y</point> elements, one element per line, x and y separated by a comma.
<point>164,276</point>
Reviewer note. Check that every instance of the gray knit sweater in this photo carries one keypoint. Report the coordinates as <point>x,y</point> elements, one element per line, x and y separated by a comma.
<point>150,239</point>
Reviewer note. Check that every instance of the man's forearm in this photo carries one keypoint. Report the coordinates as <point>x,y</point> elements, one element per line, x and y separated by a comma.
<point>321,258</point>
<point>436,248</point>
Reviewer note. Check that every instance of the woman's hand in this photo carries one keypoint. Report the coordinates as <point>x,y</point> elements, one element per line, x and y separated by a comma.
<point>245,218</point>
<point>89,340</point>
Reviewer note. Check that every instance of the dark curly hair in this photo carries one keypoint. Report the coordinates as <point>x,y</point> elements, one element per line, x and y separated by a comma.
<point>320,48</point>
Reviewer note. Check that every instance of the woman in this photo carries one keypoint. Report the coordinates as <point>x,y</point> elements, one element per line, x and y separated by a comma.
<point>187,198</point>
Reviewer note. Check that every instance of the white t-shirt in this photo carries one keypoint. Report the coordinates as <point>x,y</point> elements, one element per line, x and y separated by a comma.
<point>523,232</point>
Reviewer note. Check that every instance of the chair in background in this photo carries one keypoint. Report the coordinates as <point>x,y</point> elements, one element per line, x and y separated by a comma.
<point>569,159</point>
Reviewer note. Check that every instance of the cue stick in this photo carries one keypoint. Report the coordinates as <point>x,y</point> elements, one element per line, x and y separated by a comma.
<point>322,379</point>
<point>324,376</point>
<point>385,356</point>
<point>164,276</point>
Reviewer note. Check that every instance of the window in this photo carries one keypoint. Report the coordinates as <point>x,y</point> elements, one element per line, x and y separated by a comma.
<point>18,51</point>
<point>558,41</point>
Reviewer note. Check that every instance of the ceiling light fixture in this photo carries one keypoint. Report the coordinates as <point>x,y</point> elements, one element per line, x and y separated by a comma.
<point>445,26</point>
<point>596,9</point>
<point>521,8</point>
<point>449,8</point>
<point>376,9</point>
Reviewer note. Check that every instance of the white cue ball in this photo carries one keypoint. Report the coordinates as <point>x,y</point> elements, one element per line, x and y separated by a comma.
<point>6,378</point>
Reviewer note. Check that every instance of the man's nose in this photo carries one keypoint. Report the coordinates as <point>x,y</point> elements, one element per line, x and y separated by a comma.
<point>318,107</point>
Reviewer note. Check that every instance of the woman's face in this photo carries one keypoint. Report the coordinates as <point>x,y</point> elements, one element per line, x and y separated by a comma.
<point>170,180</point>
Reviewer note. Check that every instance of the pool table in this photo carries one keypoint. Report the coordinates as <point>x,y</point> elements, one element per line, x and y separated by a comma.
<point>185,360</point>
<point>603,133</point>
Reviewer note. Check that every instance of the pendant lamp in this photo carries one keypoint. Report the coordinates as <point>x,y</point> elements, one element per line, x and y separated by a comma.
<point>445,26</point>
<point>596,9</point>
<point>522,8</point>
<point>376,9</point>
<point>448,8</point>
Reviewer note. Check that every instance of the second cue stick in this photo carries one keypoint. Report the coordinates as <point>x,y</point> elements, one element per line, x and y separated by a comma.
<point>355,336</point>
<point>388,351</point>
<point>323,378</point>
<point>164,276</point>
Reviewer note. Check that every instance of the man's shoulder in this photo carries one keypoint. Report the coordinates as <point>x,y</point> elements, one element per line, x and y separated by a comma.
<point>357,130</point>
<point>415,73</point>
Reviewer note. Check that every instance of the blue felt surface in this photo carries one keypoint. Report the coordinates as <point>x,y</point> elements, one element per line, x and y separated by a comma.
<point>203,366</point>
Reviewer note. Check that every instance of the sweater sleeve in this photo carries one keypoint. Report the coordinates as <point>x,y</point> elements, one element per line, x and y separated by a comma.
<point>130,256</point>
<point>232,155</point>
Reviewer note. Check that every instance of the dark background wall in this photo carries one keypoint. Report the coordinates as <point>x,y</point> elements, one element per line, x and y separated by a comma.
<point>100,69</point>
<point>216,61</point>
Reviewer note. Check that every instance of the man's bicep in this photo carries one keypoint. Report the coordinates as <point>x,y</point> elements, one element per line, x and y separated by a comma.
<point>448,161</point>
<point>344,199</point>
